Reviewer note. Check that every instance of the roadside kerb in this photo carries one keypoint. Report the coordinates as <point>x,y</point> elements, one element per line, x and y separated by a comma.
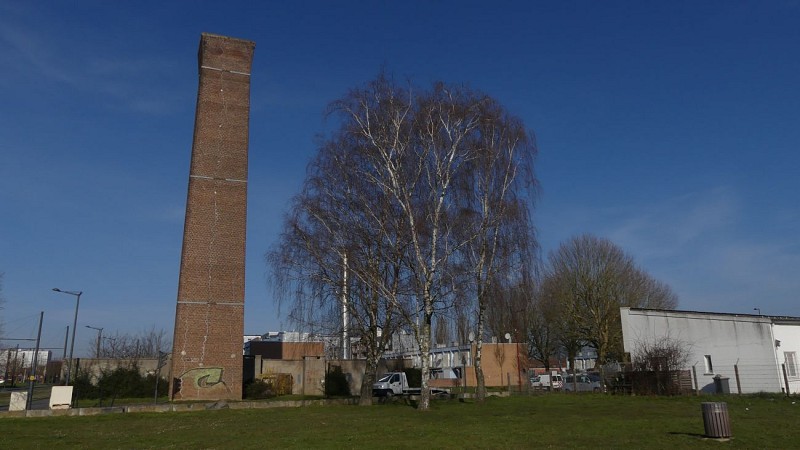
<point>174,407</point>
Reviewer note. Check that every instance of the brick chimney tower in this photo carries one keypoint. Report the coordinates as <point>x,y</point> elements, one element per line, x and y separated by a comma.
<point>209,317</point>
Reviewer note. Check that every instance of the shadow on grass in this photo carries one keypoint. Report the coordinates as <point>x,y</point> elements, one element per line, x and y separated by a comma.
<point>678,433</point>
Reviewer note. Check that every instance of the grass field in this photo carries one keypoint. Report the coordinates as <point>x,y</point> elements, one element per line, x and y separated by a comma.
<point>556,420</point>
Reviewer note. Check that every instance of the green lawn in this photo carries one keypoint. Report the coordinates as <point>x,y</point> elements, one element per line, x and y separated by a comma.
<point>556,420</point>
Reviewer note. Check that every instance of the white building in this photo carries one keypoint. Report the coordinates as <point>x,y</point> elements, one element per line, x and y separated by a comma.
<point>749,350</point>
<point>16,363</point>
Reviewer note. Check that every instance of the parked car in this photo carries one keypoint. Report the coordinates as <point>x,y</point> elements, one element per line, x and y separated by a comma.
<point>581,383</point>
<point>594,376</point>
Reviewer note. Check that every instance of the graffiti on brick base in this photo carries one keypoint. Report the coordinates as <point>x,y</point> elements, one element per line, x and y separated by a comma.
<point>205,379</point>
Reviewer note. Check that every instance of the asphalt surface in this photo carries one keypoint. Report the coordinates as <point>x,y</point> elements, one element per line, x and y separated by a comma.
<point>41,396</point>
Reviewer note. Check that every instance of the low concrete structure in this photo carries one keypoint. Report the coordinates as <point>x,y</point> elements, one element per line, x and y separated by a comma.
<point>60,397</point>
<point>18,401</point>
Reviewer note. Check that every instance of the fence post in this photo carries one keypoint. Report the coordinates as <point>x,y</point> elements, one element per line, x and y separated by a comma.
<point>785,379</point>
<point>696,386</point>
<point>738,384</point>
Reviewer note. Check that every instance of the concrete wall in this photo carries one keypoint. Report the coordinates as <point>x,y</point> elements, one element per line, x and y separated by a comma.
<point>724,339</point>
<point>96,366</point>
<point>307,374</point>
<point>789,337</point>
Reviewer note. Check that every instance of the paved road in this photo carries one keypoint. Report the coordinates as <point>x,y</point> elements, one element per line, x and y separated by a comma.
<point>41,396</point>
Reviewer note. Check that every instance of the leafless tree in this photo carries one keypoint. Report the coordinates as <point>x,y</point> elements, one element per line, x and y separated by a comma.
<point>657,365</point>
<point>500,357</point>
<point>390,193</point>
<point>146,344</point>
<point>462,325</point>
<point>544,333</point>
<point>662,354</point>
<point>592,278</point>
<point>511,308</point>
<point>339,241</point>
<point>415,144</point>
<point>495,194</point>
<point>442,331</point>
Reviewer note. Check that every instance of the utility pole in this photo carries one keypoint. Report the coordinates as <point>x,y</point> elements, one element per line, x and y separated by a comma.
<point>34,363</point>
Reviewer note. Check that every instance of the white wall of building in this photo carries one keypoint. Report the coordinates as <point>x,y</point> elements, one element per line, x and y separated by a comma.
<point>720,341</point>
<point>23,358</point>
<point>787,349</point>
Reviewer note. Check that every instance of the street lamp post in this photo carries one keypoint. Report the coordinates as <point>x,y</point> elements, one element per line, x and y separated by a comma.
<point>99,336</point>
<point>74,326</point>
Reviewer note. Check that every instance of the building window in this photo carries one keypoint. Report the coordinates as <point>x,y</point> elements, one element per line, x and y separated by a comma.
<point>790,359</point>
<point>709,367</point>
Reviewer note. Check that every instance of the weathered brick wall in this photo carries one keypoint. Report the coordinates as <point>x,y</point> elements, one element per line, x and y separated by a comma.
<point>209,318</point>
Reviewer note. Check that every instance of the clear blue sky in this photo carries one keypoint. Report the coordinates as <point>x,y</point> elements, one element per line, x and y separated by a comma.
<point>671,128</point>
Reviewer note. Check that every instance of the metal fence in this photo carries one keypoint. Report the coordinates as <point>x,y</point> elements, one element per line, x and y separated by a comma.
<point>39,400</point>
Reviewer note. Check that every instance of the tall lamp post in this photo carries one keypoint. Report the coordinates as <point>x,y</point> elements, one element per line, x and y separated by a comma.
<point>74,326</point>
<point>99,336</point>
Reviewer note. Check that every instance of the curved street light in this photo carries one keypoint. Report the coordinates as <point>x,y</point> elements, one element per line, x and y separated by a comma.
<point>77,295</point>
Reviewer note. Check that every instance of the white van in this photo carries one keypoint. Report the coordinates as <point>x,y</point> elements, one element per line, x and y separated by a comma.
<point>551,381</point>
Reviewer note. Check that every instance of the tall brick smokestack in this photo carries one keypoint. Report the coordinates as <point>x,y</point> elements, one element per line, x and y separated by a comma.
<point>209,317</point>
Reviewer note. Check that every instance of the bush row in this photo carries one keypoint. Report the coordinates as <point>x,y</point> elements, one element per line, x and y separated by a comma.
<point>122,382</point>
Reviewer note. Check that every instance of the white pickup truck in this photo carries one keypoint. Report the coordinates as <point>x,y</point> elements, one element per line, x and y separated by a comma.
<point>396,383</point>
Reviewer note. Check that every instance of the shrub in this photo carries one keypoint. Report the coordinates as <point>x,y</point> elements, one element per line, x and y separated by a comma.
<point>256,389</point>
<point>277,383</point>
<point>82,385</point>
<point>414,377</point>
<point>336,383</point>
<point>122,382</point>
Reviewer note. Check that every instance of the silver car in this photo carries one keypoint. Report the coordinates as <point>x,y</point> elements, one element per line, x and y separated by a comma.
<point>581,383</point>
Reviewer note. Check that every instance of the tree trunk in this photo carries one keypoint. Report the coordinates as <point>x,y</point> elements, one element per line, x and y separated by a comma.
<point>367,381</point>
<point>480,391</point>
<point>425,350</point>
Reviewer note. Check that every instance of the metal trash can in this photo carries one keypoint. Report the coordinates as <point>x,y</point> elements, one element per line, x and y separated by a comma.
<point>716,421</point>
<point>721,385</point>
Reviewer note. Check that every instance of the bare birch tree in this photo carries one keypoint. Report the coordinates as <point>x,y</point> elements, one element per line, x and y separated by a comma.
<point>496,192</point>
<point>416,144</point>
<point>339,241</point>
<point>388,193</point>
